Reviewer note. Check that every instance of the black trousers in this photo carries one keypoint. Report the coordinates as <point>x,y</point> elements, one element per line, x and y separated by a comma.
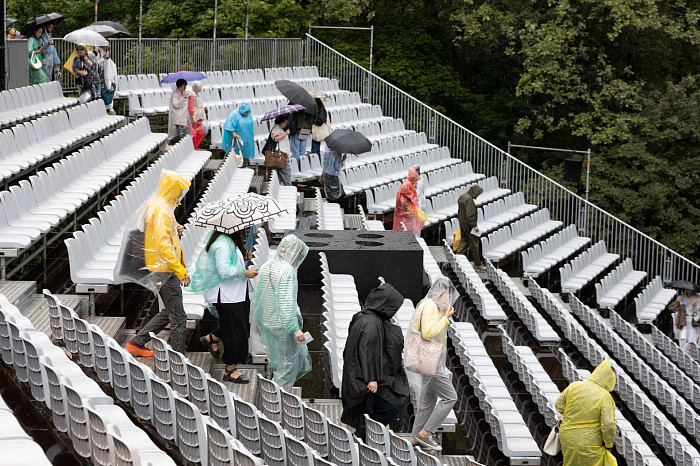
<point>384,412</point>
<point>234,330</point>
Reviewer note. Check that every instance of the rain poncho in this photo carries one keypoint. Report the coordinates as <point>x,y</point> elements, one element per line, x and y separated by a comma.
<point>588,425</point>
<point>108,74</point>
<point>195,108</point>
<point>50,55</point>
<point>373,353</point>
<point>218,265</point>
<point>429,317</point>
<point>420,190</point>
<point>243,126</point>
<point>177,111</point>
<point>406,209</point>
<point>466,209</point>
<point>332,164</point>
<point>91,81</point>
<point>35,76</point>
<point>274,310</point>
<point>150,243</point>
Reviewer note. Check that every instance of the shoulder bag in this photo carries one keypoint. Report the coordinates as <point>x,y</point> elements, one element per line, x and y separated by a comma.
<point>273,158</point>
<point>422,356</point>
<point>320,132</point>
<point>552,446</point>
<point>35,62</point>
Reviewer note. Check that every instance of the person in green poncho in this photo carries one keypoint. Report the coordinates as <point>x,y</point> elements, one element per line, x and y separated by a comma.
<point>275,311</point>
<point>222,278</point>
<point>36,75</point>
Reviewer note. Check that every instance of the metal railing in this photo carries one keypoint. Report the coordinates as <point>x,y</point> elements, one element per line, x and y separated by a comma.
<point>170,55</point>
<point>648,254</point>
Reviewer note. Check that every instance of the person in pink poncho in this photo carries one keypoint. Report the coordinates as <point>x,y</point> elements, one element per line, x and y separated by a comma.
<point>406,209</point>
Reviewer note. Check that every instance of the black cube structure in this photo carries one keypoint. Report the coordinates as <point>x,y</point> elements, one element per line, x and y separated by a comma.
<point>366,255</point>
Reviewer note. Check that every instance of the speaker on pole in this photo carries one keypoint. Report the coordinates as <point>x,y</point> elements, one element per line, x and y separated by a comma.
<point>572,170</point>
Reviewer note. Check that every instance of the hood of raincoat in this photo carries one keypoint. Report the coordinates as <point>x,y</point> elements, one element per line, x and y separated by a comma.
<point>170,186</point>
<point>413,176</point>
<point>442,292</point>
<point>244,108</point>
<point>384,301</point>
<point>604,376</point>
<point>475,190</point>
<point>292,250</point>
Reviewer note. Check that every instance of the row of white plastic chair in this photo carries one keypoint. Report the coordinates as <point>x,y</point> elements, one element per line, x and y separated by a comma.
<point>79,408</point>
<point>328,214</point>
<point>17,447</point>
<point>36,206</point>
<point>347,117</point>
<point>495,214</point>
<point>445,204</point>
<point>30,143</point>
<point>398,146</point>
<point>286,197</point>
<point>482,298</point>
<point>616,285</point>
<point>28,102</point>
<point>377,130</point>
<point>506,422</point>
<point>670,348</point>
<point>585,267</point>
<point>664,366</point>
<point>511,238</point>
<point>652,300</point>
<point>93,251</point>
<point>430,265</point>
<point>526,312</point>
<point>533,375</point>
<point>366,176</point>
<point>628,442</point>
<point>675,443</point>
<point>541,257</point>
<point>636,399</point>
<point>296,73</point>
<point>370,225</point>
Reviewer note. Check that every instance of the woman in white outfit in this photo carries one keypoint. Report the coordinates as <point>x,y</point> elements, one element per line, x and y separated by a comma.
<point>689,314</point>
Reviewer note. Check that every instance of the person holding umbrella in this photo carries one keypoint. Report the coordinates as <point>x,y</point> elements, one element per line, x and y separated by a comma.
<point>51,61</point>
<point>332,164</point>
<point>221,275</point>
<point>13,33</point>
<point>37,52</point>
<point>280,135</point>
<point>178,115</point>
<point>86,69</point>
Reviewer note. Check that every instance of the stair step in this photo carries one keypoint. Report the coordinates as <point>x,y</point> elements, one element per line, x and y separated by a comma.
<point>456,460</point>
<point>112,326</point>
<point>212,165</point>
<point>438,253</point>
<point>245,391</point>
<point>201,359</point>
<point>352,221</point>
<point>18,293</point>
<point>37,311</point>
<point>78,303</point>
<point>333,409</point>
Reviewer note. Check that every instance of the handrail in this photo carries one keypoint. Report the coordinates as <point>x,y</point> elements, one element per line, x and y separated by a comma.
<point>648,254</point>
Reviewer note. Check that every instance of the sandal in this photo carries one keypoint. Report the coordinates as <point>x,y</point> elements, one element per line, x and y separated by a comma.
<point>242,379</point>
<point>209,345</point>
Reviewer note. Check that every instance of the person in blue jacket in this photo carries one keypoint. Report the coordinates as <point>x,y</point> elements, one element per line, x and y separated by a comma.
<point>239,135</point>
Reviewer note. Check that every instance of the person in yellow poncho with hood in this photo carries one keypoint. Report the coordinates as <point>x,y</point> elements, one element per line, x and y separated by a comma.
<point>163,260</point>
<point>587,431</point>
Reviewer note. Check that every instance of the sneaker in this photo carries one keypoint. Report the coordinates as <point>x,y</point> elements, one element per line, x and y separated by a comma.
<point>112,112</point>
<point>428,442</point>
<point>138,350</point>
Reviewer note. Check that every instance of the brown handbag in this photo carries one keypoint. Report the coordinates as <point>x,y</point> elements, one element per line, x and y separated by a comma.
<point>274,159</point>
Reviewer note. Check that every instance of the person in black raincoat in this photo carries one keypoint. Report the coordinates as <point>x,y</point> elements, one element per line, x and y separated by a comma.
<point>374,379</point>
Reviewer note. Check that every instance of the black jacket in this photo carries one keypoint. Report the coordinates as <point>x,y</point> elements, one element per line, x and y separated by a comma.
<point>374,352</point>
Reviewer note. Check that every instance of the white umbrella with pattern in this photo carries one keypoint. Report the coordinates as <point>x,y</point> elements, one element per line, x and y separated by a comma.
<point>237,213</point>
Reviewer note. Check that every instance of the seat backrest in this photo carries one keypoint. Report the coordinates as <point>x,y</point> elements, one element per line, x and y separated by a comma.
<point>272,442</point>
<point>341,446</point>
<point>247,429</point>
<point>316,430</point>
<point>292,414</point>
<point>268,399</point>
<point>369,456</point>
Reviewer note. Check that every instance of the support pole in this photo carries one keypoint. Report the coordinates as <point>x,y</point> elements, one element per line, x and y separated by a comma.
<point>588,176</point>
<point>245,37</point>
<point>5,57</point>
<point>97,2</point>
<point>140,23</point>
<point>213,45</point>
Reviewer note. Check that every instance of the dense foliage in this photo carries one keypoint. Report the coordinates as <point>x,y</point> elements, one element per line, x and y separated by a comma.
<point>619,76</point>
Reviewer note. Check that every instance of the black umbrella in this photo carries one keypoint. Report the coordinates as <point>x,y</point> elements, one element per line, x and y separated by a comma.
<point>348,141</point>
<point>9,22</point>
<point>122,32</point>
<point>683,285</point>
<point>297,95</point>
<point>49,18</point>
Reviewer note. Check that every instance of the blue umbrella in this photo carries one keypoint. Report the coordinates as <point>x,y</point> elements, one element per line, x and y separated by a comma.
<point>186,75</point>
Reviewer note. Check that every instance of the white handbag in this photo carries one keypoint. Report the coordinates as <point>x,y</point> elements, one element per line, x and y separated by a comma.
<point>35,62</point>
<point>552,446</point>
<point>320,132</point>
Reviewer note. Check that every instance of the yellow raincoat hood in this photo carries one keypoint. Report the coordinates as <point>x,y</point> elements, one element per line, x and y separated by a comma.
<point>604,376</point>
<point>163,252</point>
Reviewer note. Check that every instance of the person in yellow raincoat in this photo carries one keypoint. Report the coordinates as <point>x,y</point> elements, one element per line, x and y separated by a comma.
<point>162,253</point>
<point>587,431</point>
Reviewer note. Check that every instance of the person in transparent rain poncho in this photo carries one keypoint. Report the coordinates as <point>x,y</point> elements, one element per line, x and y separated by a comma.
<point>274,310</point>
<point>437,396</point>
<point>151,255</point>
<point>178,116</point>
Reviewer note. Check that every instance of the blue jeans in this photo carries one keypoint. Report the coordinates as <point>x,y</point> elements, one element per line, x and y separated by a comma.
<point>315,147</point>
<point>298,147</point>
